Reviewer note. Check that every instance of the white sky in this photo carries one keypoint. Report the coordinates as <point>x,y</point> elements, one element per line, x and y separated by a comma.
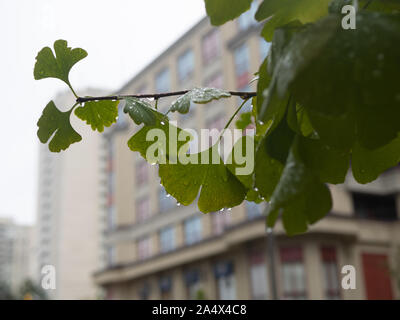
<point>120,36</point>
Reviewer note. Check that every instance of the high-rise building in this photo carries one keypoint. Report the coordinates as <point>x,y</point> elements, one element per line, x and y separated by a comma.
<point>157,249</point>
<point>16,246</point>
<point>69,214</point>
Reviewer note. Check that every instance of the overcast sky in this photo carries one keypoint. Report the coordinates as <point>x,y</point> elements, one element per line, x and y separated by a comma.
<point>120,36</point>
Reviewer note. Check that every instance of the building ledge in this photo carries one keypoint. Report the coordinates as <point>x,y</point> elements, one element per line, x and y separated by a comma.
<point>348,228</point>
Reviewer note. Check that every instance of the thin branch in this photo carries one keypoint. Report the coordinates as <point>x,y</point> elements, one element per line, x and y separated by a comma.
<point>232,117</point>
<point>156,96</point>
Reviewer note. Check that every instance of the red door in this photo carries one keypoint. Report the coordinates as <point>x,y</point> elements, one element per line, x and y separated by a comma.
<point>377,276</point>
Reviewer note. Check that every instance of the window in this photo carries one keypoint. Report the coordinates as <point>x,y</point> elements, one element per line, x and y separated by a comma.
<point>162,81</point>
<point>165,201</point>
<point>258,276</point>
<point>167,239</point>
<point>379,207</point>
<point>111,255</point>
<point>220,221</point>
<point>141,172</point>
<point>144,248</point>
<point>193,285</point>
<point>215,81</point>
<point>193,230</point>
<point>142,209</point>
<point>264,48</point>
<point>210,46</point>
<point>166,287</point>
<point>253,210</point>
<point>111,218</point>
<point>377,276</point>
<point>293,276</point>
<point>246,20</point>
<point>225,281</point>
<point>144,292</point>
<point>185,65</point>
<point>242,66</point>
<point>330,273</point>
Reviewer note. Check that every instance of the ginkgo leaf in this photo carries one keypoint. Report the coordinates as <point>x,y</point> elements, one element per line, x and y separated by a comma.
<point>58,66</point>
<point>197,95</point>
<point>98,114</point>
<point>173,140</point>
<point>279,141</point>
<point>264,79</point>
<point>299,195</point>
<point>368,164</point>
<point>267,171</point>
<point>284,11</point>
<point>244,121</point>
<point>221,11</point>
<point>359,99</point>
<point>218,187</point>
<point>140,111</point>
<point>328,163</point>
<point>56,125</point>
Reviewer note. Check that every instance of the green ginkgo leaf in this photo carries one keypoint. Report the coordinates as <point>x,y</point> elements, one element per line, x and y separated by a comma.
<point>98,114</point>
<point>218,187</point>
<point>56,125</point>
<point>140,111</point>
<point>299,195</point>
<point>281,12</point>
<point>58,66</point>
<point>197,95</point>
<point>221,11</point>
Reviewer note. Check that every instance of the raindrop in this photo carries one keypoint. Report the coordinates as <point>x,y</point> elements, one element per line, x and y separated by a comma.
<point>260,122</point>
<point>162,123</point>
<point>168,195</point>
<point>256,189</point>
<point>153,164</point>
<point>96,100</point>
<point>221,210</point>
<point>262,198</point>
<point>82,104</point>
<point>229,209</point>
<point>178,204</point>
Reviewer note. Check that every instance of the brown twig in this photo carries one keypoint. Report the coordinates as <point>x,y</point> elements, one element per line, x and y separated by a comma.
<point>156,96</point>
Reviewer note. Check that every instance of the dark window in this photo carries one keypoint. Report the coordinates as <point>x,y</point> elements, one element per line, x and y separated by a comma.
<point>380,207</point>
<point>185,65</point>
<point>210,46</point>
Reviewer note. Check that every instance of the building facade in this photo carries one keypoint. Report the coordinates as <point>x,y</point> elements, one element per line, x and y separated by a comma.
<point>157,249</point>
<point>69,213</point>
<point>16,260</point>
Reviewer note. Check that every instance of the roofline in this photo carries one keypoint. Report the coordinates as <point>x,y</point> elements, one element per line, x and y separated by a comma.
<point>164,53</point>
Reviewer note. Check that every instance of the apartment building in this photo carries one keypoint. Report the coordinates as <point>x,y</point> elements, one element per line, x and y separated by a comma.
<point>16,261</point>
<point>69,213</point>
<point>157,249</point>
